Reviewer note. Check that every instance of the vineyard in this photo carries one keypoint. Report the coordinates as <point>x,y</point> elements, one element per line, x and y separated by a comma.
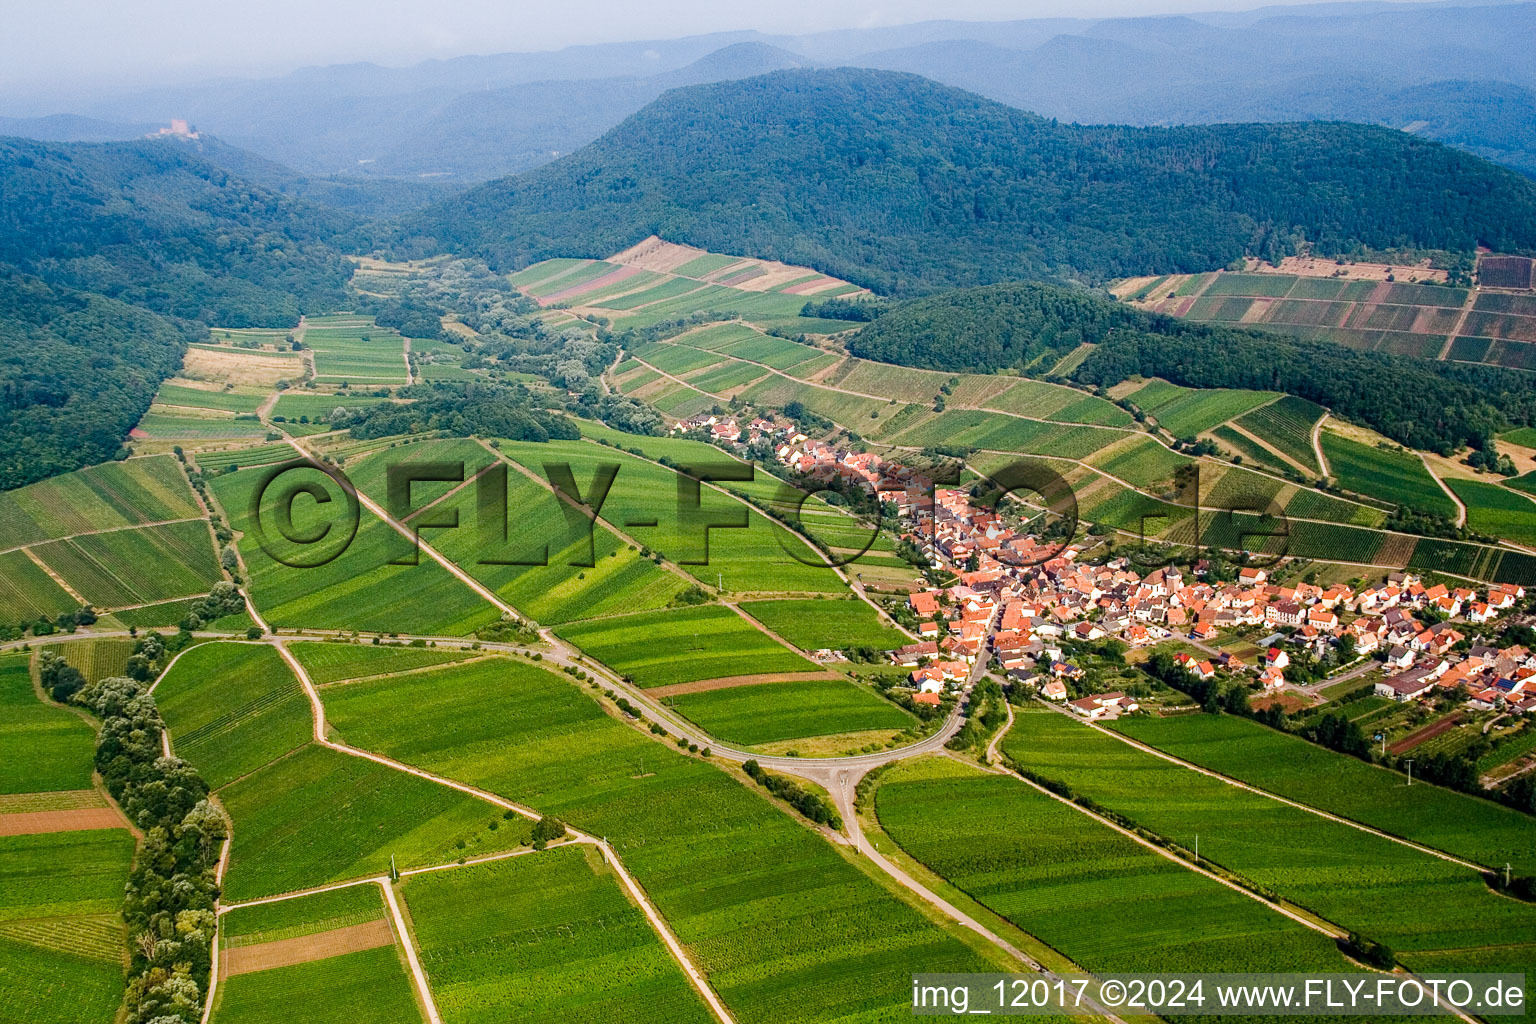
<point>1287,426</point>
<point>772,711</point>
<point>329,662</point>
<point>1479,830</point>
<point>680,646</point>
<point>366,987</point>
<point>136,566</point>
<point>1107,903</point>
<point>1337,871</point>
<point>812,625</point>
<point>42,748</point>
<point>105,497</point>
<point>1385,473</point>
<point>544,939</point>
<point>760,929</point>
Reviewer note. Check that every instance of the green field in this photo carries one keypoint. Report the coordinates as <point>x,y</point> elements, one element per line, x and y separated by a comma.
<point>136,566</point>
<point>759,557</point>
<point>367,987</point>
<point>61,937</point>
<point>536,557</point>
<point>1352,878</point>
<point>42,748</point>
<point>1287,425</point>
<point>359,589</point>
<point>762,927</point>
<point>232,708</point>
<point>28,593</point>
<point>319,816</point>
<point>1186,412</point>
<point>220,400</point>
<point>1095,895</point>
<point>544,939</point>
<point>328,662</point>
<point>130,493</point>
<point>1494,510</point>
<point>368,356</point>
<point>1478,830</point>
<point>1142,463</point>
<point>812,625</point>
<point>770,712</point>
<point>1388,475</point>
<point>662,648</point>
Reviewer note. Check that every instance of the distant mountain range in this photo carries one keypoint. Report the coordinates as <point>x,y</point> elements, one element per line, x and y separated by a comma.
<point>1464,74</point>
<point>902,185</point>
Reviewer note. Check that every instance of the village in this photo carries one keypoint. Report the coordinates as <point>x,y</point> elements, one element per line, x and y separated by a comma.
<point>1021,604</point>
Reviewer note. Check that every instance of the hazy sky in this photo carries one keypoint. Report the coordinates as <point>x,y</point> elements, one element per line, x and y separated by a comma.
<point>70,45</point>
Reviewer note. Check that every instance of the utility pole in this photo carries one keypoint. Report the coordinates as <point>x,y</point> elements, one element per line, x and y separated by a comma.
<point>1410,771</point>
<point>1197,847</point>
<point>1506,874</point>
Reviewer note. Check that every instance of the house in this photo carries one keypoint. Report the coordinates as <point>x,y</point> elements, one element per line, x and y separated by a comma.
<point>1408,686</point>
<point>1053,689</point>
<point>1272,678</point>
<point>1275,658</point>
<point>931,699</point>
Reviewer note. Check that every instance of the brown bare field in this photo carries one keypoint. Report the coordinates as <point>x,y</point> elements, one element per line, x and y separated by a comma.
<point>655,254</point>
<point>85,819</point>
<point>1429,732</point>
<point>1396,550</point>
<point>240,366</point>
<point>729,682</point>
<point>1307,266</point>
<point>301,950</point>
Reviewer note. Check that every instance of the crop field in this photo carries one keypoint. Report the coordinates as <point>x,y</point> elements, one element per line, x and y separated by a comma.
<point>1186,412</point>
<point>1287,425</point>
<point>676,359</point>
<point>544,939</point>
<point>1353,878</point>
<point>171,613</point>
<point>329,662</point>
<point>545,558</point>
<point>61,936</point>
<point>164,424</point>
<point>974,428</point>
<point>42,748</point>
<point>369,355</point>
<point>1310,504</point>
<point>770,351</point>
<point>27,592</point>
<point>1478,830</point>
<point>680,646</point>
<point>293,405</point>
<point>366,987</point>
<point>319,816</point>
<point>229,400</point>
<point>770,712</point>
<point>1387,474</point>
<point>1496,511</point>
<point>98,659</point>
<point>129,493</point>
<point>1095,895</point>
<point>727,376</point>
<point>812,625</point>
<point>775,392</point>
<point>1142,462</point>
<point>136,566</point>
<point>762,929</point>
<point>232,708</point>
<point>359,589</point>
<point>756,558</point>
<point>1052,402</point>
<point>213,462</point>
<point>305,915</point>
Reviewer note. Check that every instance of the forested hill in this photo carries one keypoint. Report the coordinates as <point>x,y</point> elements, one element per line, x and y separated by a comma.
<point>150,223</point>
<point>76,373</point>
<point>1028,326</point>
<point>901,184</point>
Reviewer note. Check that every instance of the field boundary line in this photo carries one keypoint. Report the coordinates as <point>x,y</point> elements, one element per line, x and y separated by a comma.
<point>53,575</point>
<point>658,923</point>
<point>107,529</point>
<point>423,990</point>
<point>1238,783</point>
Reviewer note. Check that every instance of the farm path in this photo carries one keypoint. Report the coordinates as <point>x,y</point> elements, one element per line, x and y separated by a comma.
<point>658,924</point>
<point>1461,508</point>
<point>991,755</point>
<point>1317,443</point>
<point>405,352</point>
<point>1461,323</point>
<point>666,563</point>
<point>1239,784</point>
<point>63,584</point>
<point>1238,428</point>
